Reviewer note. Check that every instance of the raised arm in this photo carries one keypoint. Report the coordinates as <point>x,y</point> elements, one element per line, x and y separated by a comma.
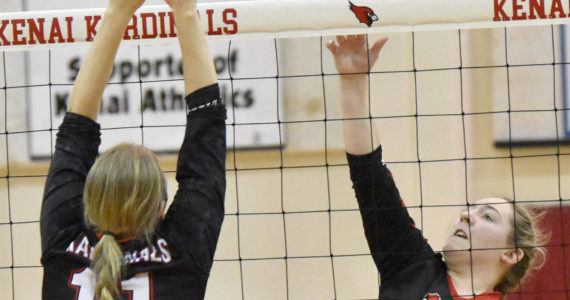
<point>393,240</point>
<point>353,59</point>
<point>197,211</point>
<point>198,64</point>
<point>78,138</point>
<point>97,66</point>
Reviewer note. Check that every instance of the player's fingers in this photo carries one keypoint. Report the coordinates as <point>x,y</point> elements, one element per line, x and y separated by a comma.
<point>360,40</point>
<point>332,46</point>
<point>375,49</point>
<point>379,44</point>
<point>341,39</point>
<point>357,37</point>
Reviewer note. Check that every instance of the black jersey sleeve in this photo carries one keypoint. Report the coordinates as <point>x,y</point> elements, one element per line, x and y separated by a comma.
<point>76,148</point>
<point>393,240</point>
<point>198,208</point>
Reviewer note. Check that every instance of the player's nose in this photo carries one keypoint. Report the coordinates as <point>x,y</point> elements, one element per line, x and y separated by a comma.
<point>465,217</point>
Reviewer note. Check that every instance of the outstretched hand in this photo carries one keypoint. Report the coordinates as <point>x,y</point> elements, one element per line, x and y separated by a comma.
<point>352,56</point>
<point>187,5</point>
<point>351,53</point>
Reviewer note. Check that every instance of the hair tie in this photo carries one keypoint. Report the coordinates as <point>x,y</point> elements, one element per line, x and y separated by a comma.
<point>108,233</point>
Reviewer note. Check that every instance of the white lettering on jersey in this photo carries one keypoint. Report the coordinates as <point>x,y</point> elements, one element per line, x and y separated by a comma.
<point>83,248</point>
<point>136,257</point>
<point>163,246</point>
<point>70,247</point>
<point>144,255</point>
<point>157,253</point>
<point>151,253</point>
<point>153,256</point>
<point>128,258</point>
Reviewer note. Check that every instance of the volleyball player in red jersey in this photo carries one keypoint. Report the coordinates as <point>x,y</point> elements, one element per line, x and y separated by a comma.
<point>104,230</point>
<point>502,236</point>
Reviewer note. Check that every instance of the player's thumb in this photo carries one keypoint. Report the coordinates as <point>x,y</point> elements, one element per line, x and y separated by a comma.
<point>376,48</point>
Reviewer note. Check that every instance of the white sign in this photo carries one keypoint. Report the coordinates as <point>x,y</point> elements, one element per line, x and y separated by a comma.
<point>144,101</point>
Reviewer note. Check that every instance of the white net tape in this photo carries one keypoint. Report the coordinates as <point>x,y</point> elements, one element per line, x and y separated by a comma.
<point>283,18</point>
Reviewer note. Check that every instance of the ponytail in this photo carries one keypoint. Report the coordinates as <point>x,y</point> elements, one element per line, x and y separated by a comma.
<point>107,264</point>
<point>124,192</point>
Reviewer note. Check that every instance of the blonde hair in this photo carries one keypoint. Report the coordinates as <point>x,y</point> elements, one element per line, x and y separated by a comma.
<point>123,195</point>
<point>531,239</point>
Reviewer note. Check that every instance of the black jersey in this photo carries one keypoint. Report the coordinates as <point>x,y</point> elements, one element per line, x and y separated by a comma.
<point>408,266</point>
<point>177,262</point>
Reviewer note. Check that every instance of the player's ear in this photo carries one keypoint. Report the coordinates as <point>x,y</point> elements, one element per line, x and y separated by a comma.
<point>512,256</point>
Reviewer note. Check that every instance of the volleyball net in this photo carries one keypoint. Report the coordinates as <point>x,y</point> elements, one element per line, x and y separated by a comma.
<point>471,100</point>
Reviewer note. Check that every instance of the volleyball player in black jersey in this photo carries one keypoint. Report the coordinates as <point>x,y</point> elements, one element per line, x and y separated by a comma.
<point>104,231</point>
<point>491,247</point>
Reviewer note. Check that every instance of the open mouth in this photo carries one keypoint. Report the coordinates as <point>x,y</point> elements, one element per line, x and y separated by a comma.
<point>460,233</point>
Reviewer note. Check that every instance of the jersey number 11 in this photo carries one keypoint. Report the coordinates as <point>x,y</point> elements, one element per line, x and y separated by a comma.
<point>137,288</point>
